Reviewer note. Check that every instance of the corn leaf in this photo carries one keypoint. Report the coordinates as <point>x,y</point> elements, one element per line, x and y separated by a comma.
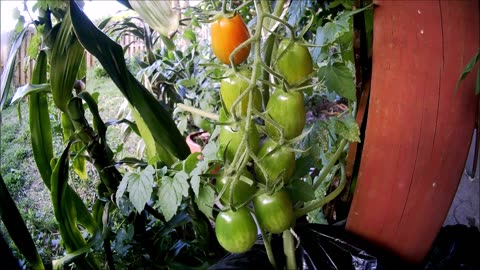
<point>67,55</point>
<point>110,55</point>
<point>9,68</point>
<point>17,229</point>
<point>28,89</point>
<point>39,120</point>
<point>65,209</point>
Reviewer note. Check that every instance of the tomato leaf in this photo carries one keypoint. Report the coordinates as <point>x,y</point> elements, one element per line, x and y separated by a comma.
<point>140,187</point>
<point>202,166</point>
<point>339,78</point>
<point>302,166</point>
<point>205,200</point>
<point>190,35</point>
<point>300,191</point>
<point>181,179</point>
<point>170,193</point>
<point>190,162</point>
<point>168,199</point>
<point>346,127</point>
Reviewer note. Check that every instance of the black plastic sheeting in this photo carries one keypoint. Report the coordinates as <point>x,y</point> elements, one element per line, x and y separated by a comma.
<point>332,248</point>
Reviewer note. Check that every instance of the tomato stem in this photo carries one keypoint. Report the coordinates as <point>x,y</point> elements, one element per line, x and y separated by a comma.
<point>267,244</point>
<point>325,170</point>
<point>321,202</point>
<point>289,249</point>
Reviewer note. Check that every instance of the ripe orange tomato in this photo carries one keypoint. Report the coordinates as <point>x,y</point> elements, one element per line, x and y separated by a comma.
<point>226,35</point>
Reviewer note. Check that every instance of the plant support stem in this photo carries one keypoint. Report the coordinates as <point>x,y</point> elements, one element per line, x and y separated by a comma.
<point>198,111</point>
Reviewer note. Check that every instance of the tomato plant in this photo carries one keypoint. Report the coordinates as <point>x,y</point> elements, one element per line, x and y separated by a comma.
<point>242,191</point>
<point>231,88</point>
<point>227,33</point>
<point>275,160</point>
<point>287,109</point>
<point>236,231</point>
<point>163,185</point>
<point>274,212</point>
<point>295,62</point>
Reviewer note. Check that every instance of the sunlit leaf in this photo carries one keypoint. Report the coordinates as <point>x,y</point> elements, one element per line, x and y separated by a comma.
<point>140,187</point>
<point>30,89</point>
<point>158,14</point>
<point>9,68</point>
<point>169,196</point>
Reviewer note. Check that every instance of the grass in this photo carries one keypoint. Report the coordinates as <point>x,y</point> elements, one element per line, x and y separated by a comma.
<point>23,180</point>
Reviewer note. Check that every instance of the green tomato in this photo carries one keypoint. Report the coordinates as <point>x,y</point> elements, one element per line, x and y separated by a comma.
<point>275,162</point>
<point>230,137</point>
<point>274,212</point>
<point>296,63</point>
<point>236,231</point>
<point>288,110</point>
<point>232,86</point>
<point>241,192</point>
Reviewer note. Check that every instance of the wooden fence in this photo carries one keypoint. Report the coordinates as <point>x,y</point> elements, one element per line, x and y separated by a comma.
<point>24,65</point>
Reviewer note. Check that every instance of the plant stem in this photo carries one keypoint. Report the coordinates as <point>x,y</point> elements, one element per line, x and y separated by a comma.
<point>319,203</point>
<point>200,112</point>
<point>289,250</point>
<point>325,170</point>
<point>268,248</point>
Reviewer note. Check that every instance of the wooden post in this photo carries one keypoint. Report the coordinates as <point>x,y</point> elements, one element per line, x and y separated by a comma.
<point>418,129</point>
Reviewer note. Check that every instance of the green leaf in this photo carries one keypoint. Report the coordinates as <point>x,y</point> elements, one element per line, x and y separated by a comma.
<point>187,83</point>
<point>468,68</point>
<point>30,89</point>
<point>202,166</point>
<point>303,165</point>
<point>122,187</point>
<point>346,127</point>
<point>39,122</point>
<point>33,45</point>
<point>67,55</point>
<point>205,200</point>
<point>158,14</point>
<point>168,197</point>
<point>181,183</point>
<point>338,78</point>
<point>140,187</point>
<point>300,191</point>
<point>9,68</point>
<point>17,229</point>
<point>190,35</point>
<point>191,162</point>
<point>20,24</point>
<point>110,55</point>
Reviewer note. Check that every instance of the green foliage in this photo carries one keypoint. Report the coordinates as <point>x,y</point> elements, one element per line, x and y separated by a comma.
<point>139,185</point>
<point>468,68</point>
<point>165,200</point>
<point>100,72</point>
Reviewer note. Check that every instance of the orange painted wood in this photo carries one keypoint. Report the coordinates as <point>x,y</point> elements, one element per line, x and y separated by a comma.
<point>418,130</point>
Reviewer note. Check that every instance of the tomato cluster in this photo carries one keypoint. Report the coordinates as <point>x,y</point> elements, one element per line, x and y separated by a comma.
<point>257,188</point>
